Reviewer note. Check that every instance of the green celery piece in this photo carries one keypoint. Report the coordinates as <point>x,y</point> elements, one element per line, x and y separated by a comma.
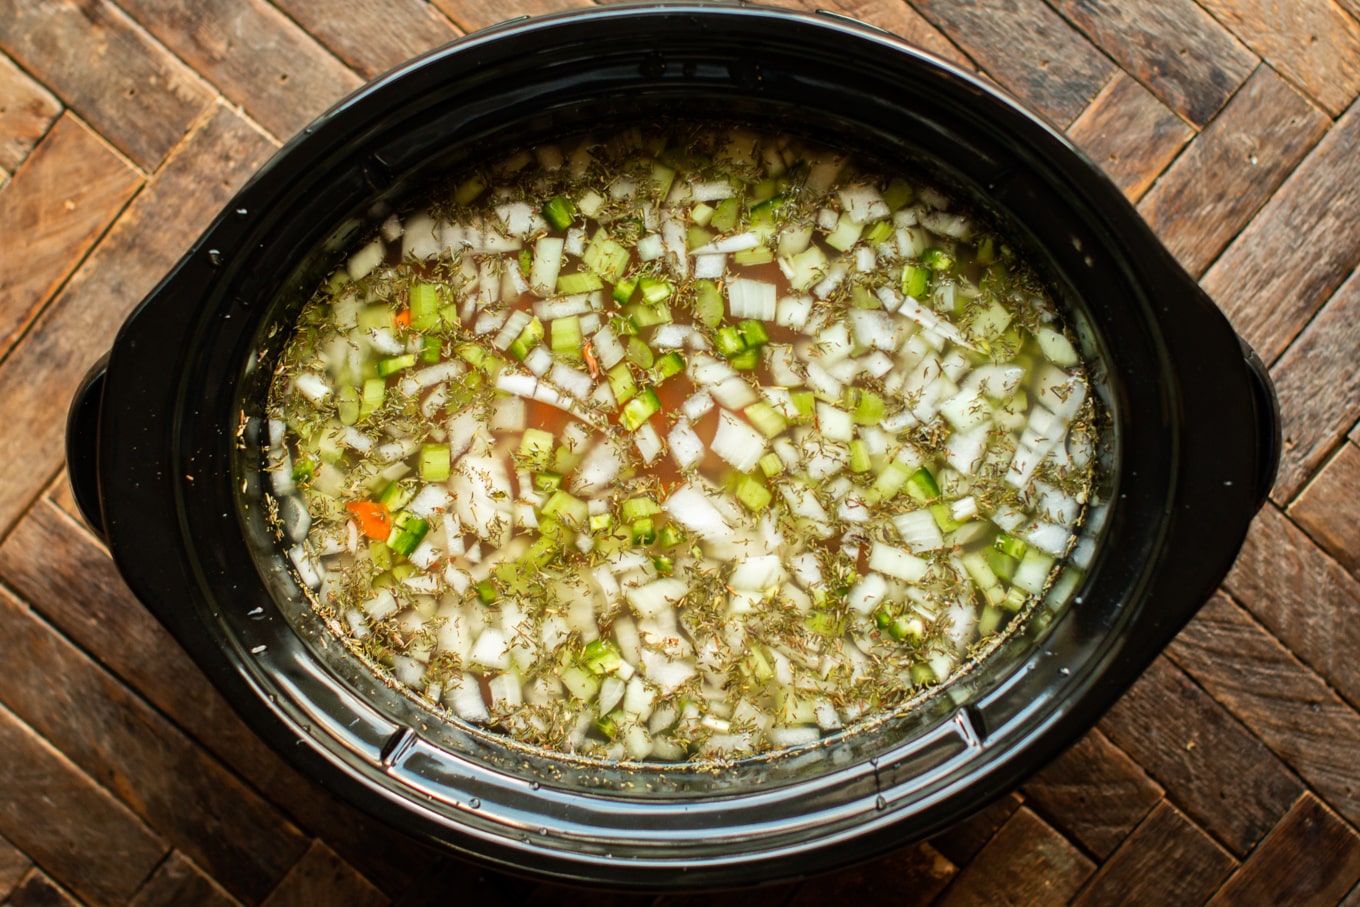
<point>434,462</point>
<point>567,338</point>
<point>753,495</point>
<point>937,259</point>
<point>708,302</point>
<point>395,364</point>
<point>423,300</point>
<point>621,382</point>
<point>639,409</point>
<point>915,281</point>
<point>726,215</point>
<point>580,282</point>
<point>559,212</point>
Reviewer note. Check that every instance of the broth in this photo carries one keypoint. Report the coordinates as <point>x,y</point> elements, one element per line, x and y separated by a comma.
<point>681,446</point>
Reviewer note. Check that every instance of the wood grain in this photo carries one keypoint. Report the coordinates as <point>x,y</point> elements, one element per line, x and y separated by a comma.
<point>321,877</point>
<point>280,75</point>
<point>70,579</point>
<point>1224,177</point>
<point>1310,860</point>
<point>892,16</point>
<point>1319,389</point>
<point>1313,43</point>
<point>1130,134</point>
<point>1210,765</point>
<point>27,111</point>
<point>470,15</point>
<point>1026,863</point>
<point>1328,509</point>
<point>1302,596</point>
<point>103,728</point>
<point>1298,249</point>
<point>62,200</point>
<point>1166,860</point>
<point>104,856</point>
<point>1287,706</point>
<point>13,866</point>
<point>38,379</point>
<point>371,37</point>
<point>1027,48</point>
<point>1174,47</point>
<point>177,882</point>
<point>1093,793</point>
<point>37,890</point>
<point>962,842</point>
<point>912,875</point>
<point>129,88</point>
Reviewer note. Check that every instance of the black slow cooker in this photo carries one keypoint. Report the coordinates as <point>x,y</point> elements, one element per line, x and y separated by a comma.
<point>166,436</point>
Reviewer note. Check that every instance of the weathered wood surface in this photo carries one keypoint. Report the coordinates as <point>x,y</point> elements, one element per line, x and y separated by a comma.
<point>1229,773</point>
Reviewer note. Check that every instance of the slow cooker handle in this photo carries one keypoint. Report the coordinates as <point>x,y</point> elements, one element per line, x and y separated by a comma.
<point>1268,412</point>
<point>82,444</point>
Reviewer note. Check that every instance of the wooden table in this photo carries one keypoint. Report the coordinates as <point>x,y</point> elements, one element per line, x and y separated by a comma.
<point>1230,772</point>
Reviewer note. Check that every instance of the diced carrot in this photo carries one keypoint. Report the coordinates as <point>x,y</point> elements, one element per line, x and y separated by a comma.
<point>591,361</point>
<point>403,318</point>
<point>372,518</point>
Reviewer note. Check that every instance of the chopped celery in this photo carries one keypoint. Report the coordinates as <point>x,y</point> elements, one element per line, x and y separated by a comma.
<point>726,215</point>
<point>708,303</point>
<point>643,531</point>
<point>580,282</point>
<point>395,364</point>
<point>752,493</point>
<point>423,300</point>
<point>566,508</point>
<point>601,657</point>
<point>567,339</point>
<point>407,533</point>
<point>867,406</point>
<point>621,382</point>
<point>431,350</point>
<point>915,281</point>
<point>747,360</point>
<point>348,404</point>
<point>639,353</point>
<point>434,462</point>
<point>623,289</point>
<point>372,398</point>
<point>859,457</point>
<point>922,486</point>
<point>937,259</point>
<point>770,464</point>
<point>728,341</point>
<point>528,339</point>
<point>760,255</point>
<point>637,508</point>
<point>639,409</point>
<point>753,333</point>
<point>766,419</point>
<point>559,212</point>
<point>536,448</point>
<point>1010,545</point>
<point>655,289</point>
<point>898,193</point>
<point>671,363</point>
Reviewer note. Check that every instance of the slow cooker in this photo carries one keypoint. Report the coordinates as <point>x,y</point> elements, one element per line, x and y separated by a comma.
<point>166,435</point>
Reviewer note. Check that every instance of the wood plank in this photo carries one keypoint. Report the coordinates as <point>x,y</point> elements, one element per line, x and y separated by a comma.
<point>1210,765</point>
<point>128,87</point>
<point>1319,389</point>
<point>963,841</point>
<point>1302,596</point>
<point>102,852</point>
<point>178,882</point>
<point>372,36</point>
<point>27,111</point>
<point>1298,249</point>
<point>474,884</point>
<point>38,378</point>
<point>912,875</point>
<point>13,866</point>
<point>470,15</point>
<point>1314,44</point>
<point>1226,175</point>
<point>62,199</point>
<point>1166,860</point>
<point>891,16</point>
<point>254,55</point>
<point>181,792</point>
<point>1287,706</point>
<point>1093,793</point>
<point>321,877</point>
<point>1130,134</point>
<point>1027,863</point>
<point>37,890</point>
<point>64,574</point>
<point>1311,860</point>
<point>1028,48</point>
<point>1328,509</point>
<point>1173,47</point>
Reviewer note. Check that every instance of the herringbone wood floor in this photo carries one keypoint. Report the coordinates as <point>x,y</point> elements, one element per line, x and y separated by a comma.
<point>1230,773</point>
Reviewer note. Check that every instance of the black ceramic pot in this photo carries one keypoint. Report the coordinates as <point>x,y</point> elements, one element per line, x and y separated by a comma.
<point>165,448</point>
